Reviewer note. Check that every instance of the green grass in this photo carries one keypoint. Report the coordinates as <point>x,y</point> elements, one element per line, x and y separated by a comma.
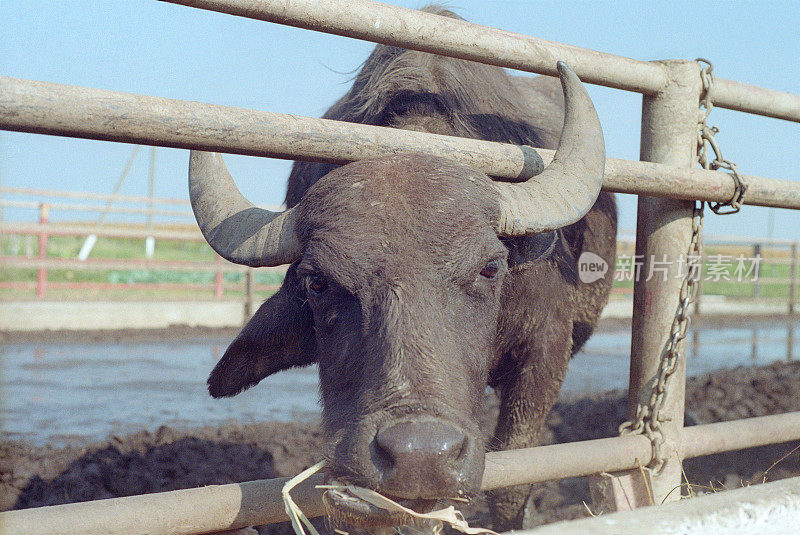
<point>722,268</point>
<point>728,272</point>
<point>117,248</point>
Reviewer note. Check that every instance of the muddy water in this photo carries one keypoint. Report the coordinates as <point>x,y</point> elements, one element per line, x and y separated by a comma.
<point>603,364</point>
<point>53,393</point>
<point>68,391</point>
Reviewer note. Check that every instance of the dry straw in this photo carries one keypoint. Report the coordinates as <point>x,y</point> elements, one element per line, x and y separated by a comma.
<point>449,515</point>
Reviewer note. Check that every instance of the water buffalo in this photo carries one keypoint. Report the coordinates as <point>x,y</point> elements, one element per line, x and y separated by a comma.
<point>416,281</point>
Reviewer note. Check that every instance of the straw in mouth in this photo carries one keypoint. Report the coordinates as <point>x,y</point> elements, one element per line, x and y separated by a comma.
<point>358,507</point>
<point>362,507</point>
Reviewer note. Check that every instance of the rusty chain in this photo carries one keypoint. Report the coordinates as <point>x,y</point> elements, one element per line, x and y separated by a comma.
<point>649,418</point>
<point>706,139</point>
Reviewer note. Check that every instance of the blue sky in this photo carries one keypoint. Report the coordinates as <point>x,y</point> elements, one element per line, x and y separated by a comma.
<point>165,50</point>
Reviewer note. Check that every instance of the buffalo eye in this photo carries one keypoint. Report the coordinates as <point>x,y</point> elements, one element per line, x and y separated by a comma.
<point>316,284</point>
<point>491,269</point>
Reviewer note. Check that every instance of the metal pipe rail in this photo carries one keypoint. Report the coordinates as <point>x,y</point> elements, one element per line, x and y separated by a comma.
<point>138,286</point>
<point>55,229</point>
<point>416,30</point>
<point>238,505</point>
<point>64,207</point>
<point>722,239</point>
<point>47,108</point>
<point>122,264</point>
<point>36,192</point>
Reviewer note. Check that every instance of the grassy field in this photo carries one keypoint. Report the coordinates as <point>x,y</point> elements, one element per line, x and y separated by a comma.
<point>67,247</point>
<point>731,271</point>
<point>728,271</point>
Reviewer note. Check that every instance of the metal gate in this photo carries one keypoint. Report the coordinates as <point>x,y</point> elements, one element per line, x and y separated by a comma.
<point>667,182</point>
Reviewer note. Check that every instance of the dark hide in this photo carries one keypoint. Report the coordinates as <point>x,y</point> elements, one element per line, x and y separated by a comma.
<point>275,338</point>
<point>410,302</point>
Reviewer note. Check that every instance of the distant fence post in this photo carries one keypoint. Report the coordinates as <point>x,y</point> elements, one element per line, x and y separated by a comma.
<point>698,284</point>
<point>793,279</point>
<point>249,294</point>
<point>41,275</point>
<point>756,285</point>
<point>219,287</point>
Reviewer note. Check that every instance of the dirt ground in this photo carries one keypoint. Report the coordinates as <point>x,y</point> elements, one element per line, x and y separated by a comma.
<point>188,333</point>
<point>169,458</point>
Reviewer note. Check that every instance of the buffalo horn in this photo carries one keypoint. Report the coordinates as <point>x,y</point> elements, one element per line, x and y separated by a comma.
<point>235,228</point>
<point>562,193</point>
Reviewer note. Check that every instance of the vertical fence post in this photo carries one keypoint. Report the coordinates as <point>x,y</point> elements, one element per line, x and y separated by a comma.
<point>793,280</point>
<point>756,285</point>
<point>219,286</point>
<point>149,241</point>
<point>41,275</point>
<point>698,296</point>
<point>663,235</point>
<point>249,294</point>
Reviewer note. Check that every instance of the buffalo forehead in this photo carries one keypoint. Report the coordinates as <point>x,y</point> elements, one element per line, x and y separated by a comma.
<point>404,193</point>
<point>406,209</point>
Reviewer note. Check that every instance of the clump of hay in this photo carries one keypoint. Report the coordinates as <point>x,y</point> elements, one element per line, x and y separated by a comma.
<point>369,506</point>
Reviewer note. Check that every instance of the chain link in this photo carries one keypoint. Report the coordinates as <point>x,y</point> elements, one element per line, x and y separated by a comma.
<point>648,420</point>
<point>706,140</point>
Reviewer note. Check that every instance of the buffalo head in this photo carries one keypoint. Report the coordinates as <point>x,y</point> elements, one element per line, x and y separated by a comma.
<point>395,290</point>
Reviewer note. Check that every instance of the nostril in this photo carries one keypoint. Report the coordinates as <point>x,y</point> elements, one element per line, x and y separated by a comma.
<point>382,457</point>
<point>452,443</point>
<point>460,449</point>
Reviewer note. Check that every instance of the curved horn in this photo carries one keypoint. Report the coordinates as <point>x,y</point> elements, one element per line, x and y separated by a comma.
<point>234,227</point>
<point>569,186</point>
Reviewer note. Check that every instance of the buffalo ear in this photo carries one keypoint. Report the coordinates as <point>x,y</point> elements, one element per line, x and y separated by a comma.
<point>280,335</point>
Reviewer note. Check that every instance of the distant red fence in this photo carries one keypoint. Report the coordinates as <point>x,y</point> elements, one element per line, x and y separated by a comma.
<point>242,287</point>
<point>221,285</point>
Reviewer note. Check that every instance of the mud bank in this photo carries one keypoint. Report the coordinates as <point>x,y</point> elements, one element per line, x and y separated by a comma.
<point>169,459</point>
<point>196,332</point>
